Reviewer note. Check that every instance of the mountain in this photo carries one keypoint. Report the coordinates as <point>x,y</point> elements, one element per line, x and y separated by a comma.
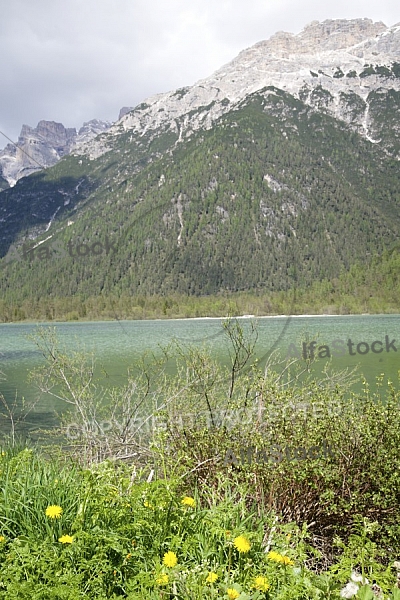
<point>43,146</point>
<point>279,170</point>
<point>349,69</point>
<point>124,110</point>
<point>3,182</point>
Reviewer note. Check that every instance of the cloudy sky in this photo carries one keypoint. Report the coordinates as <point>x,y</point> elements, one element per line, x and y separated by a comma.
<point>74,60</point>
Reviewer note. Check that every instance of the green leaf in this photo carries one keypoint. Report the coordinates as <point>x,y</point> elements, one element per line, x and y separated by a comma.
<point>365,593</point>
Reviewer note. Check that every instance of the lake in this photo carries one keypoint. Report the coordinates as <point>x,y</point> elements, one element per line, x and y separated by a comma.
<point>371,342</point>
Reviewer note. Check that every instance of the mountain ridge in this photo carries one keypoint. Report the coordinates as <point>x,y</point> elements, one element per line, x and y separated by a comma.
<point>43,146</point>
<point>268,63</point>
<point>298,63</point>
<point>202,194</point>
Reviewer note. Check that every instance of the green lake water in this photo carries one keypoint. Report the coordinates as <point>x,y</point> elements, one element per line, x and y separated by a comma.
<point>117,344</point>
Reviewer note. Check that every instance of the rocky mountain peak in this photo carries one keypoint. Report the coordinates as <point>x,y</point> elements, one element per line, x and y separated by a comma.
<point>55,133</point>
<point>338,34</point>
<point>124,111</point>
<point>42,146</point>
<point>334,56</point>
<point>355,36</point>
<point>89,130</point>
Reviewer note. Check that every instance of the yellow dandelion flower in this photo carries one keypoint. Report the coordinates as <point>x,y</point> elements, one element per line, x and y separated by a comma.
<point>163,579</point>
<point>212,577</point>
<point>188,501</point>
<point>128,556</point>
<point>274,556</point>
<point>279,558</point>
<point>170,559</point>
<point>54,511</point>
<point>232,593</point>
<point>66,539</point>
<point>2,539</point>
<point>261,583</point>
<point>242,544</point>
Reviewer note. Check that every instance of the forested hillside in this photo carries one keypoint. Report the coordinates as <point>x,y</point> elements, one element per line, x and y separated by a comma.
<point>275,196</point>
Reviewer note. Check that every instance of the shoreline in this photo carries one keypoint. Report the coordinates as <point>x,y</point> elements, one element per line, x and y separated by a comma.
<point>166,318</point>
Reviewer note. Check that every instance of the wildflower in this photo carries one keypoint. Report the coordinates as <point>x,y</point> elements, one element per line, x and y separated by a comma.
<point>279,558</point>
<point>261,583</point>
<point>170,559</point>
<point>66,539</point>
<point>188,501</point>
<point>212,577</point>
<point>163,579</point>
<point>2,539</point>
<point>128,556</point>
<point>274,556</point>
<point>349,590</point>
<point>54,511</point>
<point>232,593</point>
<point>241,544</point>
<point>356,577</point>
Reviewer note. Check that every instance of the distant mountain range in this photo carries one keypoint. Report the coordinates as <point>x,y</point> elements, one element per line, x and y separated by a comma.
<point>42,147</point>
<point>280,169</point>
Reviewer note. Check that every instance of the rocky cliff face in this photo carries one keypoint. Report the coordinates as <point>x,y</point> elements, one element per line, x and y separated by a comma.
<point>3,182</point>
<point>43,146</point>
<point>343,67</point>
<point>90,130</point>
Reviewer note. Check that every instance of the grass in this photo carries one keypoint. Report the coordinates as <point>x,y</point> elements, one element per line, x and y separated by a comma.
<point>114,536</point>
